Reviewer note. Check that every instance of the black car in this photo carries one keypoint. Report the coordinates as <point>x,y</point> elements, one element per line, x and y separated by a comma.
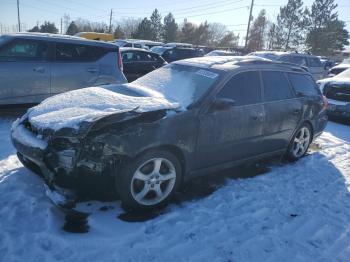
<point>186,119</point>
<point>138,62</point>
<point>171,54</point>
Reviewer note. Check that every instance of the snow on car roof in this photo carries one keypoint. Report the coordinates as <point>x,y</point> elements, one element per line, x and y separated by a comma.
<point>210,61</point>
<point>69,109</point>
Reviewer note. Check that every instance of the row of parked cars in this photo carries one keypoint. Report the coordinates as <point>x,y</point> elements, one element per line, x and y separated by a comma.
<point>187,118</point>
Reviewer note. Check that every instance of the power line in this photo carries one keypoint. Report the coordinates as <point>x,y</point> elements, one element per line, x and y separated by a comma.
<point>212,13</point>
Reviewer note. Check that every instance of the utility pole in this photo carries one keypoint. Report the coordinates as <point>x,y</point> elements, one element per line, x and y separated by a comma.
<point>19,20</point>
<point>248,27</point>
<point>110,22</point>
<point>61,25</point>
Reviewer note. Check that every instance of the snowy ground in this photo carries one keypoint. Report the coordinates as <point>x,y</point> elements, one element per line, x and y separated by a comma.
<point>293,212</point>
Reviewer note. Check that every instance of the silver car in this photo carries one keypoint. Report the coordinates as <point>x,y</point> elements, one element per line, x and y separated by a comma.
<point>35,66</point>
<point>311,62</point>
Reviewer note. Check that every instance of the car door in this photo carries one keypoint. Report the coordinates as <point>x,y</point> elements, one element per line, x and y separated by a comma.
<point>130,65</point>
<point>24,72</point>
<point>74,67</point>
<point>235,133</point>
<point>283,110</point>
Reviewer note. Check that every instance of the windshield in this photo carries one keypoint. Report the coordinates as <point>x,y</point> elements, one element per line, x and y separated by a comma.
<point>157,49</point>
<point>177,83</point>
<point>344,74</point>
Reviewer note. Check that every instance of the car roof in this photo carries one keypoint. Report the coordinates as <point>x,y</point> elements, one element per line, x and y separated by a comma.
<point>281,53</point>
<point>60,38</point>
<point>229,63</point>
<point>135,49</point>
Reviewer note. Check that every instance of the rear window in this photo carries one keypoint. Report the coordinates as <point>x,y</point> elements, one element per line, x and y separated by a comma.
<point>303,85</point>
<point>276,86</point>
<point>299,60</point>
<point>314,62</point>
<point>78,53</point>
<point>243,88</point>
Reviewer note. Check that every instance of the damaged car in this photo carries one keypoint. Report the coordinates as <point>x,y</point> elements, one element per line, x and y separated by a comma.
<point>337,91</point>
<point>186,119</point>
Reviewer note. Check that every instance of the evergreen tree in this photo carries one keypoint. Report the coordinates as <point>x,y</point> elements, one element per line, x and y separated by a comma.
<point>326,33</point>
<point>72,29</point>
<point>144,30</point>
<point>256,36</point>
<point>118,32</point>
<point>188,31</point>
<point>34,29</point>
<point>291,23</point>
<point>156,25</point>
<point>229,40</point>
<point>325,40</point>
<point>48,27</point>
<point>169,29</point>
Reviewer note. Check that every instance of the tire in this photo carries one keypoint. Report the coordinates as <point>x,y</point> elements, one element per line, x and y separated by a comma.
<point>149,180</point>
<point>300,143</point>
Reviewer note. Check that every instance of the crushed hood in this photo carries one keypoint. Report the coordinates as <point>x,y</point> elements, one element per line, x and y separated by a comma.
<point>69,110</point>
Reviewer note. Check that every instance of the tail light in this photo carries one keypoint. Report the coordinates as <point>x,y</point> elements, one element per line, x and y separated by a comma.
<point>120,62</point>
<point>325,103</point>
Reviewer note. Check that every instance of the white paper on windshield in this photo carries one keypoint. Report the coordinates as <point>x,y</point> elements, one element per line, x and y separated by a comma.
<point>207,73</point>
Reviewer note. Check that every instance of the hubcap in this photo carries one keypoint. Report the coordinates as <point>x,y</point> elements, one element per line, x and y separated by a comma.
<point>153,181</point>
<point>301,142</point>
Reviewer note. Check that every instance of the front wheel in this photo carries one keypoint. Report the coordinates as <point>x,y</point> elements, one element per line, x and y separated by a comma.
<point>300,143</point>
<point>149,180</point>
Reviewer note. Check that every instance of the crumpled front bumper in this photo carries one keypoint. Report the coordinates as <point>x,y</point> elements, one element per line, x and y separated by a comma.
<point>341,111</point>
<point>33,158</point>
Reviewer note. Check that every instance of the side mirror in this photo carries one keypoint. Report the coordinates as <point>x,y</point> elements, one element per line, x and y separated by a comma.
<point>222,104</point>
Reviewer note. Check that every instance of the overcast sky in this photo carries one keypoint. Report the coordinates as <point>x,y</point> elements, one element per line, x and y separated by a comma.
<point>233,13</point>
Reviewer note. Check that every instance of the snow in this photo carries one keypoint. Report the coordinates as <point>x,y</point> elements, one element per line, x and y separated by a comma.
<point>24,136</point>
<point>88,104</point>
<point>294,212</point>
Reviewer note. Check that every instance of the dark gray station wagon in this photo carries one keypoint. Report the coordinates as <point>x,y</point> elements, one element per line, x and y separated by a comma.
<point>230,110</point>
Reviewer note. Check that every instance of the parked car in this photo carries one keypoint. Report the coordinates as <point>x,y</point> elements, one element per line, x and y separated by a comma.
<point>138,62</point>
<point>312,63</point>
<point>171,54</point>
<point>221,53</point>
<point>36,66</point>
<point>95,36</point>
<point>179,45</point>
<point>129,43</point>
<point>186,119</point>
<point>337,91</point>
<point>339,68</point>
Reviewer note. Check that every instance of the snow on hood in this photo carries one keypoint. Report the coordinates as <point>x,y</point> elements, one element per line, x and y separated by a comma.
<point>69,109</point>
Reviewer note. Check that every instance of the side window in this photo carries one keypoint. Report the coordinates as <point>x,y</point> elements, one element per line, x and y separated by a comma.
<point>137,45</point>
<point>303,84</point>
<point>24,50</point>
<point>128,45</point>
<point>78,53</point>
<point>128,57</point>
<point>143,57</point>
<point>243,88</point>
<point>299,60</point>
<point>314,62</point>
<point>276,86</point>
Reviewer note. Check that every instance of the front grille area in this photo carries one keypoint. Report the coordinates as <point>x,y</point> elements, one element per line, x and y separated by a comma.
<point>337,92</point>
<point>29,126</point>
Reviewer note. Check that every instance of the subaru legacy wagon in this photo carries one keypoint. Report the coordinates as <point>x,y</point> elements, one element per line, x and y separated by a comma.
<point>186,119</point>
<point>35,66</point>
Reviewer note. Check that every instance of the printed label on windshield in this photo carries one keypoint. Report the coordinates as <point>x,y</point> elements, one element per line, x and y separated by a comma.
<point>207,73</point>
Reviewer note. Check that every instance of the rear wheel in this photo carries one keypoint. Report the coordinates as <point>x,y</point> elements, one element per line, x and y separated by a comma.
<point>300,143</point>
<point>149,180</point>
